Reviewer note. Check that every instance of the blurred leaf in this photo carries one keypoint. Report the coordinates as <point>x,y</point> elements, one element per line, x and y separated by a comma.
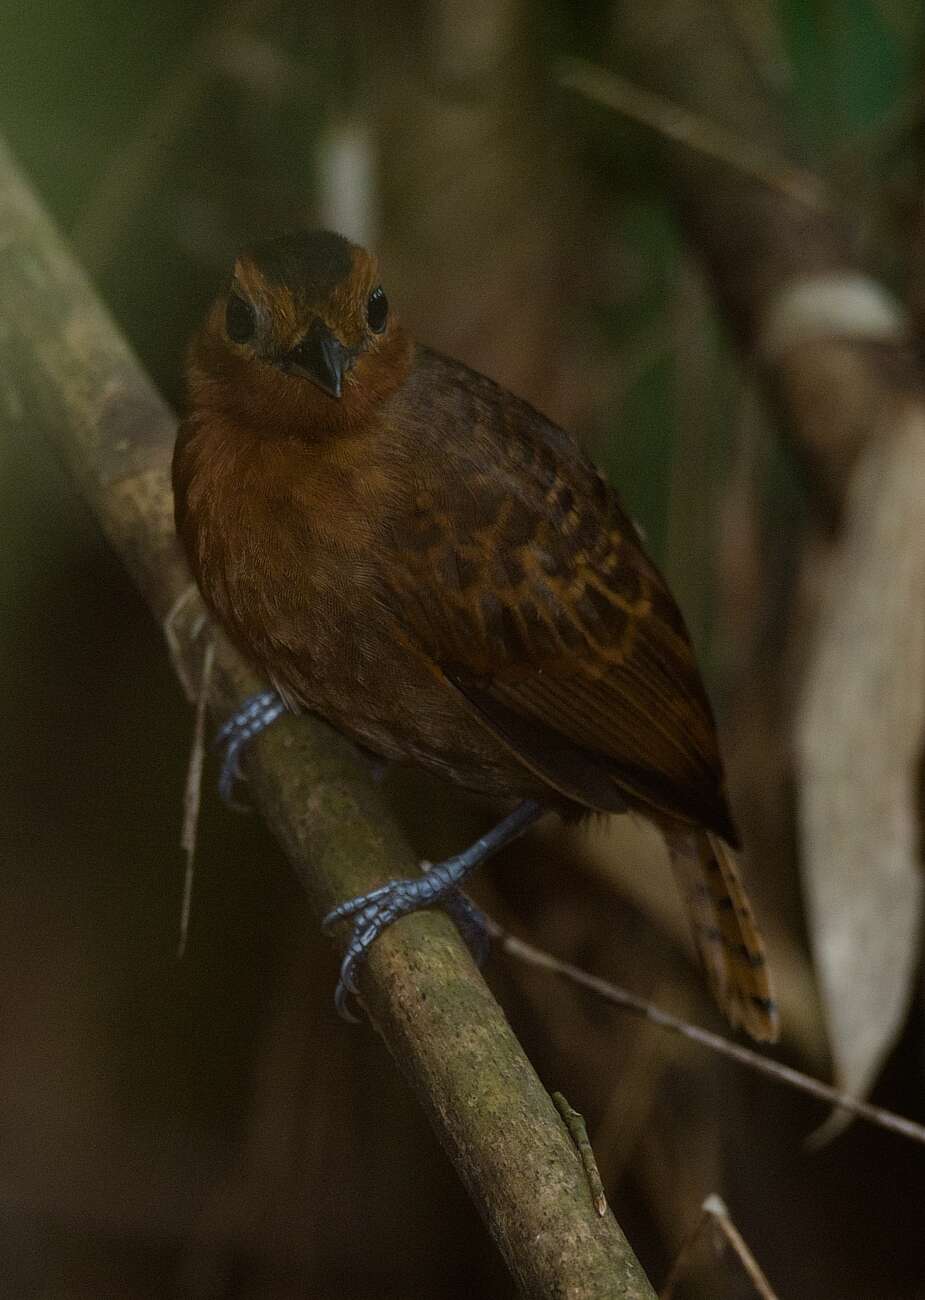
<point>858,740</point>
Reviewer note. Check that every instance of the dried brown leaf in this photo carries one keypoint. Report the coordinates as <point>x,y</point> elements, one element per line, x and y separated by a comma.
<point>859,738</point>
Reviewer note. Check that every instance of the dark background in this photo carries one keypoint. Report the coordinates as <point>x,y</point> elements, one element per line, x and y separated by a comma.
<point>208,1128</point>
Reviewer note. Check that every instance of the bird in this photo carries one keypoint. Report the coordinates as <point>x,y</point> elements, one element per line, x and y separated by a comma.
<point>403,547</point>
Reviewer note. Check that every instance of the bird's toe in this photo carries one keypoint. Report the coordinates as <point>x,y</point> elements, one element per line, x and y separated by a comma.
<point>235,734</point>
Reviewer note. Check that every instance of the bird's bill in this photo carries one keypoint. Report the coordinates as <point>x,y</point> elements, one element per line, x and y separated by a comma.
<point>322,358</point>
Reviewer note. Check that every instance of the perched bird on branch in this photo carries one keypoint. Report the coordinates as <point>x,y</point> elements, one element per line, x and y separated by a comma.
<point>407,549</point>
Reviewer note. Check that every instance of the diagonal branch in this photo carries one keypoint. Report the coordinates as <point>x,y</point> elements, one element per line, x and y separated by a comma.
<point>747,1056</point>
<point>67,374</point>
<point>715,1215</point>
<point>693,131</point>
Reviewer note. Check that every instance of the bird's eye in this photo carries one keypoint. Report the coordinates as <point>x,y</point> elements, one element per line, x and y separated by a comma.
<point>240,321</point>
<point>377,310</point>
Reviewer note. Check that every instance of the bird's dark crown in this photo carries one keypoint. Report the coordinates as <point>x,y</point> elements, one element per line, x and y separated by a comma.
<point>315,261</point>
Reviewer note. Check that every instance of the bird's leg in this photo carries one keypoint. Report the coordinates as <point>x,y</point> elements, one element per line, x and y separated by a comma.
<point>256,714</point>
<point>471,923</point>
<point>439,887</point>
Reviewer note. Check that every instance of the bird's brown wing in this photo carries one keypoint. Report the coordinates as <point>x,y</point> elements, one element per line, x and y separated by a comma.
<point>545,615</point>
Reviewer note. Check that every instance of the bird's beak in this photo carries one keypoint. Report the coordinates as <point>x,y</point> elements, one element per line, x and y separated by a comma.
<point>322,358</point>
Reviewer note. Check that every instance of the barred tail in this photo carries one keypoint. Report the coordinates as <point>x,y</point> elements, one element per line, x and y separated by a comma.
<point>725,933</point>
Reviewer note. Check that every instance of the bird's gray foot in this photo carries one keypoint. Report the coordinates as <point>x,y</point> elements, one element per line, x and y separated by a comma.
<point>255,715</point>
<point>373,912</point>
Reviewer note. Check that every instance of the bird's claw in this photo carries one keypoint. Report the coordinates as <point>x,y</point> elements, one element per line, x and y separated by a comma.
<point>375,912</point>
<point>235,734</point>
<point>344,911</point>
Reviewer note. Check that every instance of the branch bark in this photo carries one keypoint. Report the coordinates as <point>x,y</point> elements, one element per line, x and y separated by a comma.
<point>66,373</point>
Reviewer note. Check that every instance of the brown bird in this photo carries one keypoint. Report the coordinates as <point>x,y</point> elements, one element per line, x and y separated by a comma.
<point>407,549</point>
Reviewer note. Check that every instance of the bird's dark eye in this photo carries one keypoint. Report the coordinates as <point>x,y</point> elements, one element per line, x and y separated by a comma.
<point>377,310</point>
<point>240,321</point>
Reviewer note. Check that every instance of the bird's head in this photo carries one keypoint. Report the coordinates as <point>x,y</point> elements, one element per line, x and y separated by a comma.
<point>304,334</point>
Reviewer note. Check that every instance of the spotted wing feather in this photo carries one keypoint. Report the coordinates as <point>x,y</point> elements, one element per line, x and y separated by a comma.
<point>551,621</point>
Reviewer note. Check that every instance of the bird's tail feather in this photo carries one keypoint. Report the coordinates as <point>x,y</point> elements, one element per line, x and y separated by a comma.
<point>726,935</point>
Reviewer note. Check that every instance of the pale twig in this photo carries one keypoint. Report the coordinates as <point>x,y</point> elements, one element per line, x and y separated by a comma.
<point>578,1130</point>
<point>192,795</point>
<point>715,1214</point>
<point>178,611</point>
<point>619,997</point>
<point>716,1207</point>
<point>693,131</point>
